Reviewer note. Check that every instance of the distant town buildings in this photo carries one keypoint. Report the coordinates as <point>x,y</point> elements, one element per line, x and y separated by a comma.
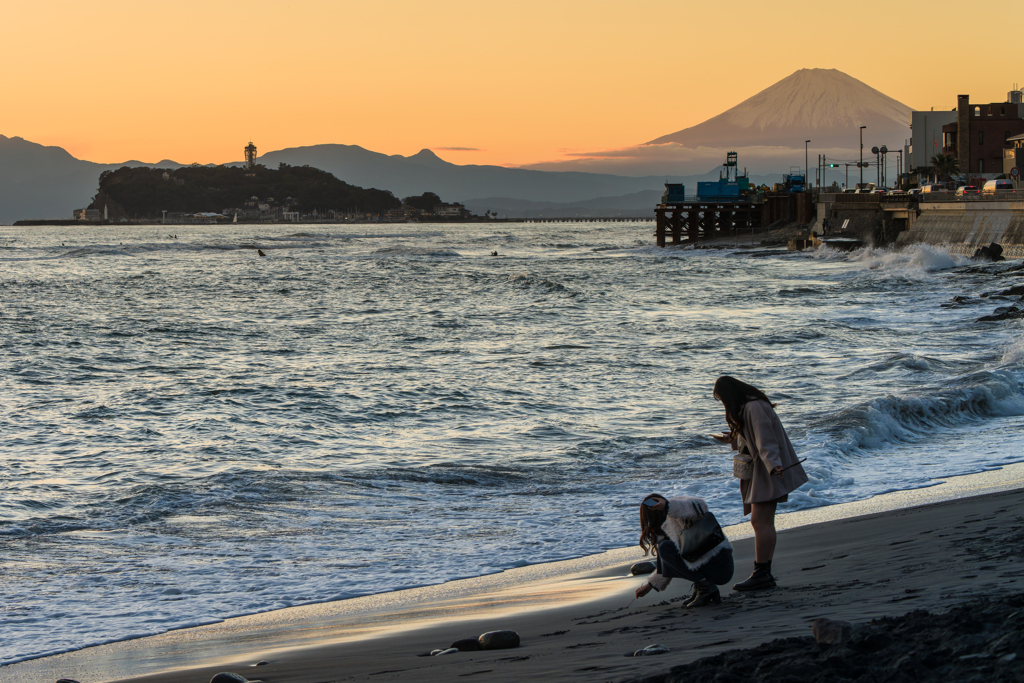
<point>407,212</point>
<point>86,214</point>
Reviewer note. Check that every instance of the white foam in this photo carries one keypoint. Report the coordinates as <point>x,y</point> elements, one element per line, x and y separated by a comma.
<point>915,260</point>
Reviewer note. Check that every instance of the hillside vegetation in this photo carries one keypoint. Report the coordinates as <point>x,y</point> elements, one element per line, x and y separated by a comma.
<point>146,192</point>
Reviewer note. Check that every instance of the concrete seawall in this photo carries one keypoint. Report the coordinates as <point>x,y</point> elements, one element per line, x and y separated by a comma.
<point>966,226</point>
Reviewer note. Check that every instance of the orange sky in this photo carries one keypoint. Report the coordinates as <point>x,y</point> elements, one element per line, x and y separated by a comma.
<point>522,82</point>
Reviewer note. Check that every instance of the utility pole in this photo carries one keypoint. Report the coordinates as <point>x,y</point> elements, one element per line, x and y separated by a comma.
<point>806,179</point>
<point>861,166</point>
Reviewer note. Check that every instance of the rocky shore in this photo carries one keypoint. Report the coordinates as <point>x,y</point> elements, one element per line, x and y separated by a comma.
<point>980,641</point>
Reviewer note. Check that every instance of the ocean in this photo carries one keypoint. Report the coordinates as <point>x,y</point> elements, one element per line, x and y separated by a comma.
<point>192,432</point>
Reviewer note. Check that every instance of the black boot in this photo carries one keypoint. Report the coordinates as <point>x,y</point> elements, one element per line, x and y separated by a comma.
<point>759,580</point>
<point>707,593</point>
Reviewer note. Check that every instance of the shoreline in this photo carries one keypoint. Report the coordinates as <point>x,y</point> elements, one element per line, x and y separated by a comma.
<point>424,617</point>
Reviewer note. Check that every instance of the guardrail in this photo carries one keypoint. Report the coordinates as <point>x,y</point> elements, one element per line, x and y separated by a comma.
<point>998,196</point>
<point>926,197</point>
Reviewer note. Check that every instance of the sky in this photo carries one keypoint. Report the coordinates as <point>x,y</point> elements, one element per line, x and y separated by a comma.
<point>508,83</point>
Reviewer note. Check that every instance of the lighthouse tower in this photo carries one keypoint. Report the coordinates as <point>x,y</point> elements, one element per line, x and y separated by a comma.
<point>250,156</point>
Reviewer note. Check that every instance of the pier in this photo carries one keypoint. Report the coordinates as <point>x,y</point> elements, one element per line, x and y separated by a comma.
<point>688,222</point>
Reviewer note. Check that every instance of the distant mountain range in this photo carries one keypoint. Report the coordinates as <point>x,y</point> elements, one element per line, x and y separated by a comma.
<point>47,182</point>
<point>768,130</point>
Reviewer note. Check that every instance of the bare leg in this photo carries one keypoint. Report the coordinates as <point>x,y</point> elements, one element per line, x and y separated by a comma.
<point>762,518</point>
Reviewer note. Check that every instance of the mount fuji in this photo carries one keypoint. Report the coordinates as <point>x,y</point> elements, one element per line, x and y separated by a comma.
<point>824,105</point>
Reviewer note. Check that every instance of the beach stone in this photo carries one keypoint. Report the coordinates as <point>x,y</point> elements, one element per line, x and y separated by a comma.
<point>1003,313</point>
<point>67,680</point>
<point>451,650</point>
<point>498,640</point>
<point>831,631</point>
<point>652,650</point>
<point>228,677</point>
<point>466,645</point>
<point>992,252</point>
<point>434,653</point>
<point>642,568</point>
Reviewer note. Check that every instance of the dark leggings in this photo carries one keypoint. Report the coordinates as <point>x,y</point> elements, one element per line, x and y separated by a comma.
<point>717,570</point>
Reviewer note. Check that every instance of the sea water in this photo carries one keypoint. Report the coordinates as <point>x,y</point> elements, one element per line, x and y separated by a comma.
<point>191,432</point>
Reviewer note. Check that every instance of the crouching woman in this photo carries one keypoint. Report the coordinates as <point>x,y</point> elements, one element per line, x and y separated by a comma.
<point>688,543</point>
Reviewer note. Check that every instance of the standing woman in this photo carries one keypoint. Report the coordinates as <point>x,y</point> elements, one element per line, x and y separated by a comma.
<point>772,473</point>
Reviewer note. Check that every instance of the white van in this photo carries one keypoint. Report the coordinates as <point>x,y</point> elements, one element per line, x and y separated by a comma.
<point>993,186</point>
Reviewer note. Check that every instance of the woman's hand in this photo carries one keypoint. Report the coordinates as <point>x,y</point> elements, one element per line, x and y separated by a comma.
<point>659,504</point>
<point>643,590</point>
<point>724,437</point>
<point>777,471</point>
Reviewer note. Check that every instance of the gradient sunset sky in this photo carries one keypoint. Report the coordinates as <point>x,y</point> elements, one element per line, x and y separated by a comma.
<point>478,82</point>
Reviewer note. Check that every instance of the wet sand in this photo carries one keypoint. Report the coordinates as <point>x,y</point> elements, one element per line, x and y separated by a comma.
<point>930,549</point>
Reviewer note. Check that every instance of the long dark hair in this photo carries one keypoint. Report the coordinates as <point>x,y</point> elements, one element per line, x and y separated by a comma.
<point>735,394</point>
<point>650,524</point>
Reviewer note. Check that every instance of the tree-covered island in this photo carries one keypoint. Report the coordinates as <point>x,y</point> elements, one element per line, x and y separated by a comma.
<point>253,194</point>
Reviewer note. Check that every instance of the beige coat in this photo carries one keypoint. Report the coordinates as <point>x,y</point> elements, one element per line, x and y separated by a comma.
<point>770,447</point>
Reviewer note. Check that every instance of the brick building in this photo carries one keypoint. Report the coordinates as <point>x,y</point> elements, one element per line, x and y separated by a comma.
<point>980,132</point>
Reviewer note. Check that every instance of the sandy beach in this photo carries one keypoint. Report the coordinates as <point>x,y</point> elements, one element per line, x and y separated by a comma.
<point>931,549</point>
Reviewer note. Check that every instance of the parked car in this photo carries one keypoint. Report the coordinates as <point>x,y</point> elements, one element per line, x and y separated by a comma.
<point>896,192</point>
<point>967,190</point>
<point>914,190</point>
<point>926,189</point>
<point>993,186</point>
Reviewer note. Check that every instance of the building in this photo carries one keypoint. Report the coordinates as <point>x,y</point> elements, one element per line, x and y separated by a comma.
<point>1013,154</point>
<point>926,137</point>
<point>86,214</point>
<point>450,210</point>
<point>980,133</point>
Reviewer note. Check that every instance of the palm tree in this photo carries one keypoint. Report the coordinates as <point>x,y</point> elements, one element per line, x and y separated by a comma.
<point>946,165</point>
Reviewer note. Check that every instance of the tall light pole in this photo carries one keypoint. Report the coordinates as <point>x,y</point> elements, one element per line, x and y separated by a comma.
<point>861,156</point>
<point>806,179</point>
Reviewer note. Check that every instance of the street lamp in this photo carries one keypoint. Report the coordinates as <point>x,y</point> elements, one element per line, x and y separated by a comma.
<point>862,156</point>
<point>884,150</point>
<point>806,179</point>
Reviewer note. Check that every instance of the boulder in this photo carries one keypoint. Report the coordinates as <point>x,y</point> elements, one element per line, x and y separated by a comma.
<point>642,568</point>
<point>498,640</point>
<point>652,650</point>
<point>831,631</point>
<point>1002,313</point>
<point>466,645</point>
<point>228,677</point>
<point>992,252</point>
